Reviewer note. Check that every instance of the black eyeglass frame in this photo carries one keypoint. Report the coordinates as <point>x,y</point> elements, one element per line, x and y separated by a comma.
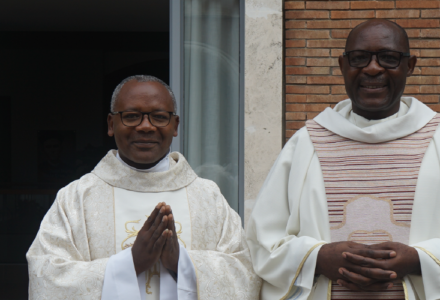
<point>402,54</point>
<point>143,114</point>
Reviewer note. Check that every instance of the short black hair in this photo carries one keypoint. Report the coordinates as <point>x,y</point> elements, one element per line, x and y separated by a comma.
<point>405,35</point>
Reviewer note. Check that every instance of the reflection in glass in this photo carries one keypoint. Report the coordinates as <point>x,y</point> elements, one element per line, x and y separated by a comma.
<point>211,99</point>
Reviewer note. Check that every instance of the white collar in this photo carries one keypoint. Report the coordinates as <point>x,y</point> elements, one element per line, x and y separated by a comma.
<point>162,166</point>
<point>337,121</point>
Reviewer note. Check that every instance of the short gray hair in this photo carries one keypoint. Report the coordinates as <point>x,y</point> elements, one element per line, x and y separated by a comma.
<point>140,78</point>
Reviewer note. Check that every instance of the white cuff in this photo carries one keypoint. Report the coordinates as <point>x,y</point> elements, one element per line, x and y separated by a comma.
<point>186,277</point>
<point>120,281</point>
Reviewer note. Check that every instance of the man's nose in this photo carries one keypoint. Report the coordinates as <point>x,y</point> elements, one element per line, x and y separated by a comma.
<point>146,125</point>
<point>373,67</point>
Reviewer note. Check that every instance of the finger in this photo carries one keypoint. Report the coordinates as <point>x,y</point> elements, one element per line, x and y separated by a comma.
<point>374,253</point>
<point>364,261</point>
<point>168,209</point>
<point>159,218</point>
<point>160,228</point>
<point>160,242</point>
<point>355,278</point>
<point>373,273</point>
<point>152,216</point>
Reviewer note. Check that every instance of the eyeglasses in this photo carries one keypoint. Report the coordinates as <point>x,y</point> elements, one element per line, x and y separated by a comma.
<point>158,118</point>
<point>387,59</point>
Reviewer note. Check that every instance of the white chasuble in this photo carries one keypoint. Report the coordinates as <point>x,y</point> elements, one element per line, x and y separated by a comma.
<point>293,215</point>
<point>77,253</point>
<point>132,210</point>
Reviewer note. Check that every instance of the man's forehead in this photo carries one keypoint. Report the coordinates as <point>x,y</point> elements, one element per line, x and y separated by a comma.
<point>376,35</point>
<point>150,91</point>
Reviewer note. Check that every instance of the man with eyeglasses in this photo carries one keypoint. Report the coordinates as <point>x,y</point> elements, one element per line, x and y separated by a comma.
<point>142,225</point>
<point>350,210</point>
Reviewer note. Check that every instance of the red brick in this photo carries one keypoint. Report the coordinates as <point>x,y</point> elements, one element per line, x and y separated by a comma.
<point>434,107</point>
<point>425,62</point>
<point>336,71</point>
<point>307,14</point>
<point>327,5</point>
<point>418,4</point>
<point>412,89</point>
<point>347,14</point>
<point>306,107</point>
<point>428,98</point>
<point>295,124</point>
<point>312,115</point>
<point>430,33</point>
<point>415,52</point>
<point>397,14</point>
<point>424,43</point>
<point>372,4</point>
<point>340,34</point>
<point>307,70</point>
<point>431,13</point>
<point>325,98</point>
<point>430,71</point>
<point>413,33</point>
<point>289,134</point>
<point>325,80</point>
<point>338,90</point>
<point>326,43</point>
<point>296,79</point>
<point>294,5</point>
<point>296,98</point>
<point>307,34</point>
<point>423,80</point>
<point>426,23</point>
<point>324,62</point>
<point>307,52</point>
<point>337,52</point>
<point>292,116</point>
<point>430,53</point>
<point>307,89</point>
<point>295,43</point>
<point>417,71</point>
<point>296,24</point>
<point>295,61</point>
<point>328,24</point>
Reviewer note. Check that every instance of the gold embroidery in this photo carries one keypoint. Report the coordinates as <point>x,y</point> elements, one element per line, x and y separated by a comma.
<point>179,232</point>
<point>329,290</point>
<point>405,290</point>
<point>131,233</point>
<point>152,272</point>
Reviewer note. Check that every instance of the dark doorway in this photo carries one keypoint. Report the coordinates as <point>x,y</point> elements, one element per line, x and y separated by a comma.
<point>59,66</point>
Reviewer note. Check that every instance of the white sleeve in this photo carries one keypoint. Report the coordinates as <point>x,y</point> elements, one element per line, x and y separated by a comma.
<point>120,281</point>
<point>186,286</point>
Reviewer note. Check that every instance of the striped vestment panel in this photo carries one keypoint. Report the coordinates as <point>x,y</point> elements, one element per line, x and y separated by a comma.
<point>370,190</point>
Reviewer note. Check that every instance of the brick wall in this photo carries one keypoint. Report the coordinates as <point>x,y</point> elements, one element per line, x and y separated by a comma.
<point>315,37</point>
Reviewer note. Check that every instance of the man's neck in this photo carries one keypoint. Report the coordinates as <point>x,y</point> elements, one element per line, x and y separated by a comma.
<point>377,115</point>
<point>139,166</point>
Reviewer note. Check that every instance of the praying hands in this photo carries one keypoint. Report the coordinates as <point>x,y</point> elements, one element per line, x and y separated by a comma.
<point>367,268</point>
<point>157,240</point>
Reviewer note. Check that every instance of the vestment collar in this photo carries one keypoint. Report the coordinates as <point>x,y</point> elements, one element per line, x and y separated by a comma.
<point>417,117</point>
<point>113,172</point>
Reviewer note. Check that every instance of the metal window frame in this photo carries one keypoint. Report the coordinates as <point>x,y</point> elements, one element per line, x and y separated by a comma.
<point>177,85</point>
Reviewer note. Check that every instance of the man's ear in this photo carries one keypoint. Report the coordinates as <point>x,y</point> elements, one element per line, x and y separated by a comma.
<point>176,125</point>
<point>110,131</point>
<point>340,61</point>
<point>412,61</point>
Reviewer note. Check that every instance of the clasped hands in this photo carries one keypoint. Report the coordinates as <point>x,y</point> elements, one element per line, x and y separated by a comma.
<point>156,240</point>
<point>361,267</point>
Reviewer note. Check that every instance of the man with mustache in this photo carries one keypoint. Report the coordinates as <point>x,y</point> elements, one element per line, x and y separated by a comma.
<point>142,224</point>
<point>350,208</point>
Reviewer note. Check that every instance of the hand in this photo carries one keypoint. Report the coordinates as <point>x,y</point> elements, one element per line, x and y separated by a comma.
<point>404,261</point>
<point>330,260</point>
<point>170,253</point>
<point>151,239</point>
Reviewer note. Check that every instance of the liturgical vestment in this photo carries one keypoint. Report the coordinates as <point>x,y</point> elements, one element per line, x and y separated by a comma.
<point>85,239</point>
<point>343,177</point>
